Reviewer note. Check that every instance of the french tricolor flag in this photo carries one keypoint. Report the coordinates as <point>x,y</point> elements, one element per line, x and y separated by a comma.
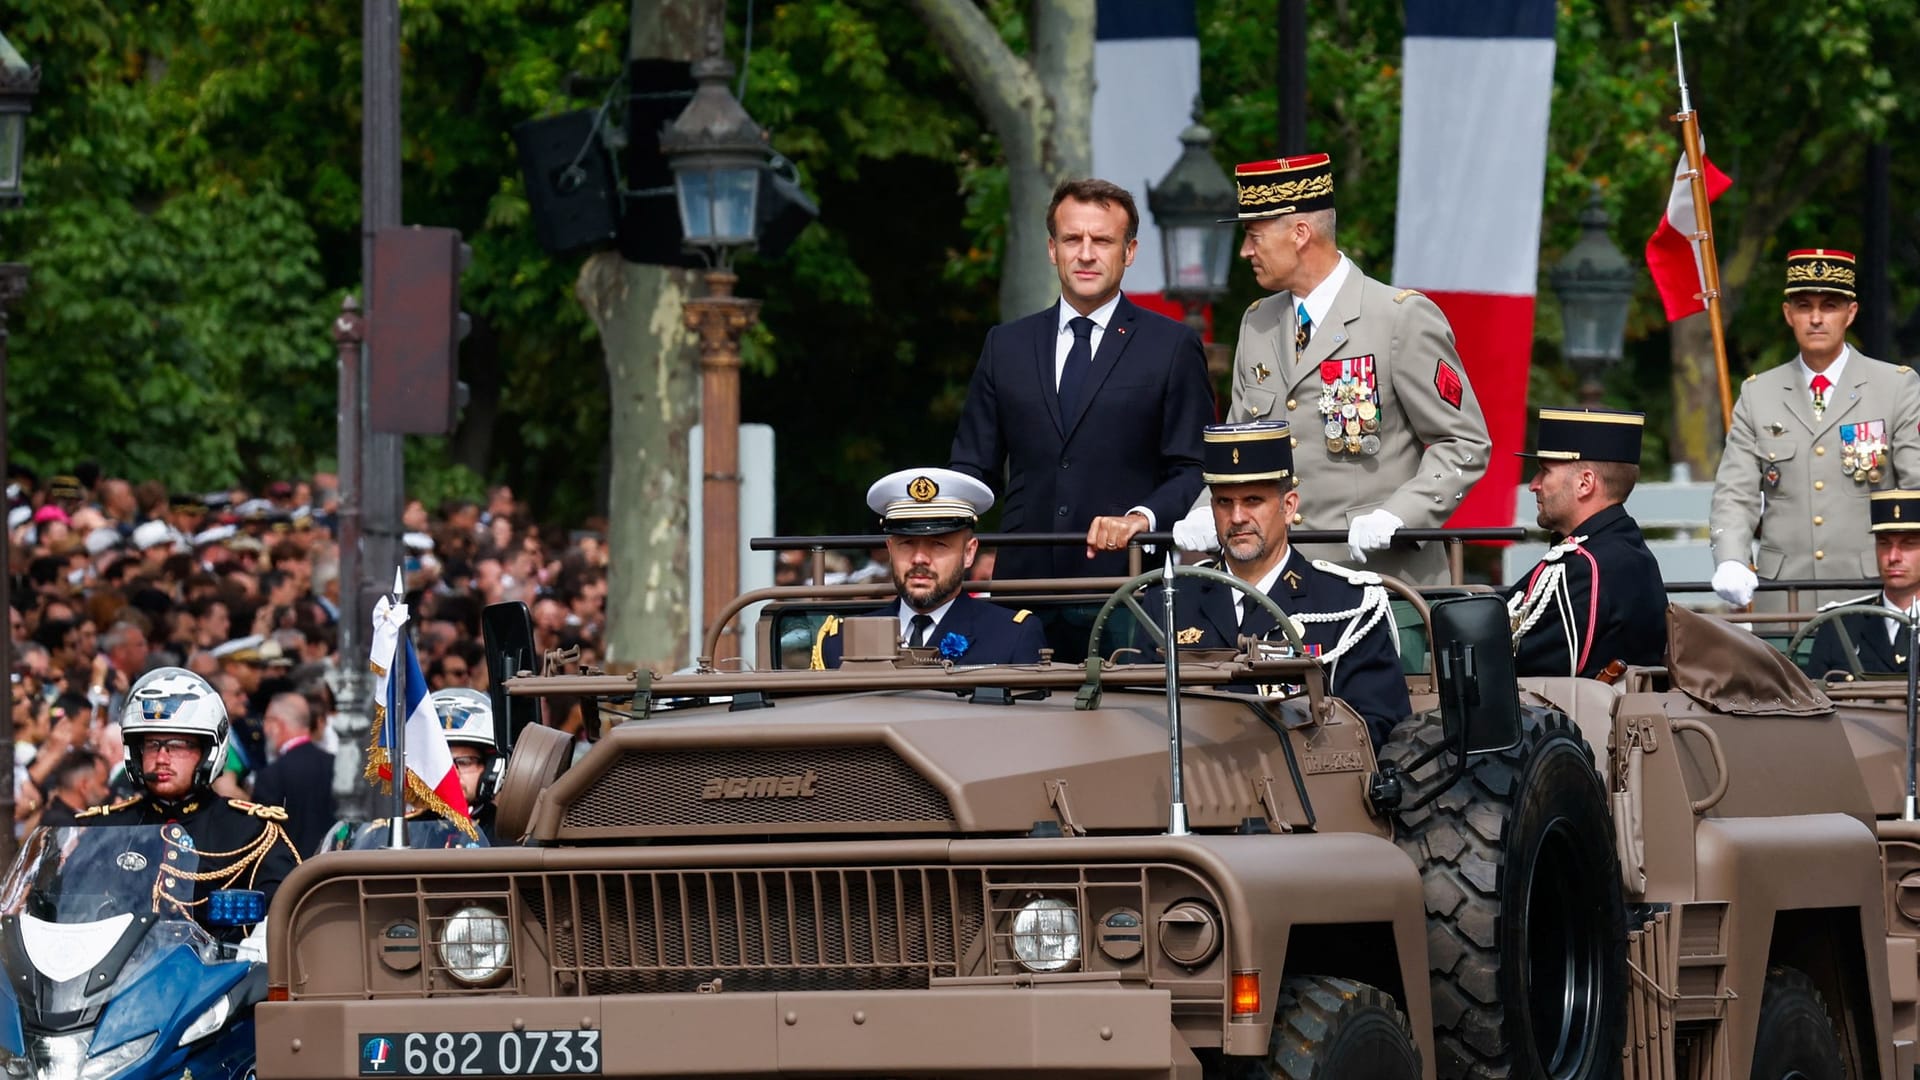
<point>1476,88</point>
<point>400,688</point>
<point>1146,70</point>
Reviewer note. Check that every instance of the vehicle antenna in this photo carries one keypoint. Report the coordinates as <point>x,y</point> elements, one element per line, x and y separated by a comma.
<point>1913,708</point>
<point>1177,811</point>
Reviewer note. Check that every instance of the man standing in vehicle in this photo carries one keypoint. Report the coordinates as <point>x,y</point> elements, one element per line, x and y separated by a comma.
<point>1882,645</point>
<point>1086,415</point>
<point>928,516</point>
<point>1343,616</point>
<point>1388,432</point>
<point>1810,440</point>
<point>176,732</point>
<point>1597,596</point>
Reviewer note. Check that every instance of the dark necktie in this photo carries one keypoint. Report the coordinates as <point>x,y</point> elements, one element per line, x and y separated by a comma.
<point>921,624</point>
<point>1079,363</point>
<point>1303,334</point>
<point>1902,645</point>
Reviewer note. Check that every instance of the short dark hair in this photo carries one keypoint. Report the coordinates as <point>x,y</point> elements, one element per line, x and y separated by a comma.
<point>1616,478</point>
<point>75,768</point>
<point>1104,193</point>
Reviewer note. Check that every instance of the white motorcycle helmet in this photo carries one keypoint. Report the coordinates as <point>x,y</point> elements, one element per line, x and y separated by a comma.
<point>466,715</point>
<point>175,701</point>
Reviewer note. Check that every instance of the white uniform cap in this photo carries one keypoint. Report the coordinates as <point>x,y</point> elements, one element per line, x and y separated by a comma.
<point>214,535</point>
<point>103,539</point>
<point>151,534</point>
<point>240,648</point>
<point>19,516</point>
<point>417,541</point>
<point>928,501</point>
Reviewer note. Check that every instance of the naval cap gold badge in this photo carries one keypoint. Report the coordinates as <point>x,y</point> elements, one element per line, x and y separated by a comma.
<point>923,489</point>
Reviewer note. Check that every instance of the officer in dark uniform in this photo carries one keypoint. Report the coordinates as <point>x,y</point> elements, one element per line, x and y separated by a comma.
<point>176,734</point>
<point>1597,596</point>
<point>1883,645</point>
<point>1344,616</point>
<point>929,516</point>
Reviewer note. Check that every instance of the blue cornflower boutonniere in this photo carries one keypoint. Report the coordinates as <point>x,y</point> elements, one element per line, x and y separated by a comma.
<point>953,646</point>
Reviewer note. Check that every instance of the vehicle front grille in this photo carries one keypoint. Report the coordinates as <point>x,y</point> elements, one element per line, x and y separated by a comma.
<point>746,930</point>
<point>665,792</point>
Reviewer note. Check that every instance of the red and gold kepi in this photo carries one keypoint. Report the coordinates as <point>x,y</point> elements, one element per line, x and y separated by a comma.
<point>1292,185</point>
<point>1820,270</point>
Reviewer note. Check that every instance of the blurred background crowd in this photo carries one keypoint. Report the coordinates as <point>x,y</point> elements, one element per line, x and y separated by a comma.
<point>116,577</point>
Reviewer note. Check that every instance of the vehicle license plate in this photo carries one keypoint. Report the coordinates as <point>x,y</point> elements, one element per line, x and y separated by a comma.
<point>480,1053</point>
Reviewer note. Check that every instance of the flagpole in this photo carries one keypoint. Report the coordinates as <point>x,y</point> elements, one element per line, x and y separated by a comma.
<point>1689,122</point>
<point>396,718</point>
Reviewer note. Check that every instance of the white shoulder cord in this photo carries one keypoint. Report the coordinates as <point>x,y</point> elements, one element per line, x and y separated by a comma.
<point>1550,588</point>
<point>1374,606</point>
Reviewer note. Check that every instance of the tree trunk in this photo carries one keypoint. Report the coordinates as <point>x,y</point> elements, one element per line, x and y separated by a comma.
<point>654,398</point>
<point>1042,112</point>
<point>1698,433</point>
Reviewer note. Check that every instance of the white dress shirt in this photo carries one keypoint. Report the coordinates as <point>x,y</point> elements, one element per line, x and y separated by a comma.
<point>1319,302</point>
<point>907,613</point>
<point>1833,373</point>
<point>1265,585</point>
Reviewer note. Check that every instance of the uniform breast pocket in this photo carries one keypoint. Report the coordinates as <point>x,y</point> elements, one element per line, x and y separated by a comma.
<point>1777,465</point>
<point>1255,403</point>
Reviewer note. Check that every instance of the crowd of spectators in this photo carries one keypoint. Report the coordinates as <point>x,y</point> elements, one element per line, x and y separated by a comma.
<point>112,579</point>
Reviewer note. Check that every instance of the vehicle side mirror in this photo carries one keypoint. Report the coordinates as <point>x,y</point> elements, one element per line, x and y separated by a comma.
<point>1473,658</point>
<point>508,630</point>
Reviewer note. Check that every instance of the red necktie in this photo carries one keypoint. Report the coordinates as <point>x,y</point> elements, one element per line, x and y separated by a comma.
<point>1820,384</point>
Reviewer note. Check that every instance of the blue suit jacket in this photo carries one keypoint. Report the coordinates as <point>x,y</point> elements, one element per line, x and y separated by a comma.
<point>994,635</point>
<point>1133,439</point>
<point>1368,678</point>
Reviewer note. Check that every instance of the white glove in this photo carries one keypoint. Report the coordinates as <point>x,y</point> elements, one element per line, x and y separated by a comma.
<point>1196,531</point>
<point>1371,531</point>
<point>1734,582</point>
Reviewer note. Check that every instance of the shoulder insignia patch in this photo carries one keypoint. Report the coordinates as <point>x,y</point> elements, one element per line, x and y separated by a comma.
<point>254,809</point>
<point>1401,296</point>
<point>1021,615</point>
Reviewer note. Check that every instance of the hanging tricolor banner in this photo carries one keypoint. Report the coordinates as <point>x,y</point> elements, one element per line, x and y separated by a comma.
<point>1673,253</point>
<point>1146,70</point>
<point>400,688</point>
<point>1477,85</point>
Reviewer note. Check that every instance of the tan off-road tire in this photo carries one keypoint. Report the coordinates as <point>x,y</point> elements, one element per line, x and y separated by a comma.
<point>1795,1039</point>
<point>1526,924</point>
<point>1335,1029</point>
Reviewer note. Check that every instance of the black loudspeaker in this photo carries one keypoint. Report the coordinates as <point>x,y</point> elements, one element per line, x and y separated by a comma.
<point>657,93</point>
<point>571,188</point>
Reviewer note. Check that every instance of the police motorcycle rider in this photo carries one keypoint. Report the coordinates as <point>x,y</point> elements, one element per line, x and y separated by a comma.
<point>466,715</point>
<point>176,731</point>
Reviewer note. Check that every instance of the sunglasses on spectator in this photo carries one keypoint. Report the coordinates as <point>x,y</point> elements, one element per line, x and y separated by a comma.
<point>173,748</point>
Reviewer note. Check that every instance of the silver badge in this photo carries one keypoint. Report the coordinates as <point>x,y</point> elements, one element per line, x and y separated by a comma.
<point>131,860</point>
<point>1370,444</point>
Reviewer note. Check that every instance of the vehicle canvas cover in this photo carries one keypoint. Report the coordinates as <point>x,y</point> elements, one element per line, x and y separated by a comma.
<point>1728,669</point>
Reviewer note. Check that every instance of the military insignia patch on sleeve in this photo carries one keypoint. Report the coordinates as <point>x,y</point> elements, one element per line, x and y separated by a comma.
<point>1447,381</point>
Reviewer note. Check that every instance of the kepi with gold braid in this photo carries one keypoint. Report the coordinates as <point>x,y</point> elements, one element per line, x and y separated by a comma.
<point>928,502</point>
<point>1248,453</point>
<point>1827,270</point>
<point>1894,511</point>
<point>1290,185</point>
<point>1588,435</point>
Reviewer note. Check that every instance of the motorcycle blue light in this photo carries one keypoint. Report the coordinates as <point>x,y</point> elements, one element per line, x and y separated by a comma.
<point>236,907</point>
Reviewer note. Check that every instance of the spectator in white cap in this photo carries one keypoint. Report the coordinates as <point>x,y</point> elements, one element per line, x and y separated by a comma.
<point>154,540</point>
<point>928,516</point>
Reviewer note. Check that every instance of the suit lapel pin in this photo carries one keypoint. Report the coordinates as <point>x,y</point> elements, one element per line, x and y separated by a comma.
<point>1190,636</point>
<point>1777,429</point>
<point>1260,373</point>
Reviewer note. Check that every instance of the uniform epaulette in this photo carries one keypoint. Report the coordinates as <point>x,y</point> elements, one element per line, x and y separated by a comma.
<point>1358,577</point>
<point>827,630</point>
<point>1752,377</point>
<point>1401,296</point>
<point>1021,615</point>
<point>1255,306</point>
<point>259,810</point>
<point>1863,598</point>
<point>1903,369</point>
<point>110,808</point>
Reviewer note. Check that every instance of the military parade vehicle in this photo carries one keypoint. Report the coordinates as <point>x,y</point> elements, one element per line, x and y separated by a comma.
<point>909,867</point>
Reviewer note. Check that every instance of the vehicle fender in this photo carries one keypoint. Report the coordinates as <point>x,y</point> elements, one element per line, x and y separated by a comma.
<point>166,999</point>
<point>1764,866</point>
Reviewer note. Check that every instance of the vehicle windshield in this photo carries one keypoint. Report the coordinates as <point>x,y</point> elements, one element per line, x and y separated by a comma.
<point>83,874</point>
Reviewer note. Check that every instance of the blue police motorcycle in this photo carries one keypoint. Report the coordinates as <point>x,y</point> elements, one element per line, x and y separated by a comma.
<point>108,976</point>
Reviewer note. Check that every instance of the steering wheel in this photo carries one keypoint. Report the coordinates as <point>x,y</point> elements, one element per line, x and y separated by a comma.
<point>1124,595</point>
<point>1846,642</point>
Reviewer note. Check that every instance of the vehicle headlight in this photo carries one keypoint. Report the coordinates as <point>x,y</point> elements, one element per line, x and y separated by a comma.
<point>475,946</point>
<point>58,1057</point>
<point>1046,934</point>
<point>208,1022</point>
<point>105,1065</point>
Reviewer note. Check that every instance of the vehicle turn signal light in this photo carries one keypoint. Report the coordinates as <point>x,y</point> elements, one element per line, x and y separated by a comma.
<point>1246,993</point>
<point>277,992</point>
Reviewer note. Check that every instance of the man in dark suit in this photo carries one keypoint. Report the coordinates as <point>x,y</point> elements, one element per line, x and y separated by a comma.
<point>928,516</point>
<point>1597,596</point>
<point>1086,415</point>
<point>1343,616</point>
<point>1883,645</point>
<point>300,777</point>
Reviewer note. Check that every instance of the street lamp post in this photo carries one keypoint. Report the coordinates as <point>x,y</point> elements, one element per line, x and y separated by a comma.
<point>19,81</point>
<point>718,155</point>
<point>1197,246</point>
<point>1595,285</point>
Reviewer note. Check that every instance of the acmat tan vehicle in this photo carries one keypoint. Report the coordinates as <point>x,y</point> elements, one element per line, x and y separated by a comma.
<point>905,868</point>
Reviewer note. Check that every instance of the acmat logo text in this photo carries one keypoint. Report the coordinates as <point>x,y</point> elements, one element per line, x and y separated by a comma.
<point>799,786</point>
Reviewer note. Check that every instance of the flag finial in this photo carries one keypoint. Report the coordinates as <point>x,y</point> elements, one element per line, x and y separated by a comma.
<point>399,584</point>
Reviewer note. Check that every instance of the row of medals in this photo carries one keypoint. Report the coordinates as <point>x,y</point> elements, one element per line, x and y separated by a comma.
<point>1352,417</point>
<point>1863,459</point>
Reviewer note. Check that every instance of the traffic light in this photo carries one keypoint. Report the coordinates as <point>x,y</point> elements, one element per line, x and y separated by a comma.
<point>414,331</point>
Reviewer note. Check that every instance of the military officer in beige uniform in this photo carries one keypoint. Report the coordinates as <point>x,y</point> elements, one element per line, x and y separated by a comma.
<point>1810,441</point>
<point>1389,434</point>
